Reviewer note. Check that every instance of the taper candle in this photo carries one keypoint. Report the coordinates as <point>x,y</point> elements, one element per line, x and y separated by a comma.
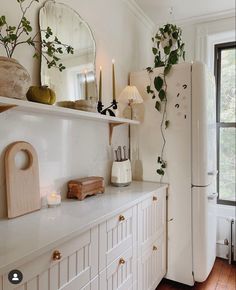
<point>113,80</point>
<point>100,85</point>
<point>86,85</point>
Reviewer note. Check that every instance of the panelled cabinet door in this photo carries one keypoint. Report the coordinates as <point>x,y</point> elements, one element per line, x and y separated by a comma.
<point>76,265</point>
<point>151,219</point>
<point>119,274</point>
<point>152,265</point>
<point>116,235</point>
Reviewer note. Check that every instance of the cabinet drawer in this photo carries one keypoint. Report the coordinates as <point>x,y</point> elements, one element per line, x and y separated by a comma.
<point>78,284</point>
<point>116,235</point>
<point>79,261</point>
<point>151,218</point>
<point>152,265</point>
<point>119,274</point>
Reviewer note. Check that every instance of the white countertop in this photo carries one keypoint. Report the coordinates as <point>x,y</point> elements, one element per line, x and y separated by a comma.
<point>26,237</point>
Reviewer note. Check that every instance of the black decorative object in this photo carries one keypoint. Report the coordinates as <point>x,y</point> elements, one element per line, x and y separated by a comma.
<point>108,109</point>
<point>99,106</point>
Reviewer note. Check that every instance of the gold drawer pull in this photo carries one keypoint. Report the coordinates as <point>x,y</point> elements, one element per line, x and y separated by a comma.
<point>122,261</point>
<point>121,218</point>
<point>154,248</point>
<point>154,198</point>
<point>56,256</point>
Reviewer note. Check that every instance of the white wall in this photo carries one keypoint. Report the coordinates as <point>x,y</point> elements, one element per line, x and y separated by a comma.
<point>75,148</point>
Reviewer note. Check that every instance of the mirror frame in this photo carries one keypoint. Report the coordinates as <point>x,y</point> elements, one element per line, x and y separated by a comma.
<point>41,12</point>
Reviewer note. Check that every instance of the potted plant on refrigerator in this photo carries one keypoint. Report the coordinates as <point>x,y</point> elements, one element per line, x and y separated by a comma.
<point>168,49</point>
<point>14,78</point>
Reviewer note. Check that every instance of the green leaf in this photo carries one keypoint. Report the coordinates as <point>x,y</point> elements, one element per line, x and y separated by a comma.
<point>158,106</point>
<point>175,35</point>
<point>173,58</point>
<point>13,37</point>
<point>162,95</point>
<point>154,50</point>
<point>2,20</point>
<point>158,83</point>
<point>167,123</point>
<point>184,55</point>
<point>167,50</point>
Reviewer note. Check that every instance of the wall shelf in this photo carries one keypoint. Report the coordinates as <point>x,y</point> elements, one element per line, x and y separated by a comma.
<point>31,107</point>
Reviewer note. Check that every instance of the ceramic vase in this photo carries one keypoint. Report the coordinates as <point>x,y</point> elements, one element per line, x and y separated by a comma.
<point>14,79</point>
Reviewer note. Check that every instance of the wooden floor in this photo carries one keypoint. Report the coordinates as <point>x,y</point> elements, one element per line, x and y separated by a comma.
<point>222,277</point>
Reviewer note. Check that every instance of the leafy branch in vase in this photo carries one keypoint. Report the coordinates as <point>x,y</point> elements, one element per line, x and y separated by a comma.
<point>49,47</point>
<point>168,49</point>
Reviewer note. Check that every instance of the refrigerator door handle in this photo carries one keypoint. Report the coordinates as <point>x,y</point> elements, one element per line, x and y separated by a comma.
<point>212,173</point>
<point>212,196</point>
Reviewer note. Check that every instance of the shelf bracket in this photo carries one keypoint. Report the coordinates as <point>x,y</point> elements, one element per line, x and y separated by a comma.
<point>111,127</point>
<point>6,107</point>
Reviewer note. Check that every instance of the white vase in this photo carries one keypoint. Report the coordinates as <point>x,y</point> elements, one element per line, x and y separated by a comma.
<point>14,79</point>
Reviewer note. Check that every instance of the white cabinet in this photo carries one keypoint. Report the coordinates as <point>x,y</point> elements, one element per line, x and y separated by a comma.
<point>152,265</point>
<point>74,266</point>
<point>126,251</point>
<point>152,241</point>
<point>116,235</point>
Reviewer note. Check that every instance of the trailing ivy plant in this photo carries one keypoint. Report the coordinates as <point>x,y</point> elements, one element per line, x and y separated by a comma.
<point>168,49</point>
<point>13,36</point>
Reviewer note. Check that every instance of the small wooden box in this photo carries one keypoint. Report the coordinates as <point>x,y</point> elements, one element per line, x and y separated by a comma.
<point>82,187</point>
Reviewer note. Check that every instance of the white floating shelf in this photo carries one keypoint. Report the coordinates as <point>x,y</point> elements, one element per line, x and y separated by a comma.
<point>31,107</point>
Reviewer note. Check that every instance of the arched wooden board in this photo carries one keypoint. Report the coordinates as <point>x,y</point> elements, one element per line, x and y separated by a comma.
<point>22,185</point>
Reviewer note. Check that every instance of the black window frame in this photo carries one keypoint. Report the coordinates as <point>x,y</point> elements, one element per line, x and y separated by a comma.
<point>217,70</point>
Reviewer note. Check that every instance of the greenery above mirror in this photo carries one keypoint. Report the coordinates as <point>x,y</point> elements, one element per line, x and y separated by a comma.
<point>78,80</point>
<point>168,49</point>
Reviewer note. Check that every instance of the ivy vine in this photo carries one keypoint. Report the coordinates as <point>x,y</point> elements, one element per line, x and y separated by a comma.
<point>168,49</point>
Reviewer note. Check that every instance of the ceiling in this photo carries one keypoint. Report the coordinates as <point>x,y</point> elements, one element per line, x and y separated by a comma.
<point>159,10</point>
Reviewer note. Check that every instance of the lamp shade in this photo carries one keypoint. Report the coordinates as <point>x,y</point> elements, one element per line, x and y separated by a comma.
<point>130,94</point>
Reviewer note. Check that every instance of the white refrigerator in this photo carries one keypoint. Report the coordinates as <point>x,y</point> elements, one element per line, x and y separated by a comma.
<point>191,165</point>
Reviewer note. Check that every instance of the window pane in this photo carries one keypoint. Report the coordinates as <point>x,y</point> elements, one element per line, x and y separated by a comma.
<point>228,88</point>
<point>227,164</point>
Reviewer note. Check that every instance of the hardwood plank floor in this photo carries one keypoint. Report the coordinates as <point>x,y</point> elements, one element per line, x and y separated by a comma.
<point>222,277</point>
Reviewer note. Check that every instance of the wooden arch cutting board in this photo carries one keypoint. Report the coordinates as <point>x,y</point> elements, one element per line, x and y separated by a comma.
<point>23,195</point>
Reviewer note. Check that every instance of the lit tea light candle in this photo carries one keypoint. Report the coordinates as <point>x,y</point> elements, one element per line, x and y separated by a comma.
<point>53,199</point>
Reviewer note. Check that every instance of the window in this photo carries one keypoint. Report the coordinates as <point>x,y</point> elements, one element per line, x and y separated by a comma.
<point>225,59</point>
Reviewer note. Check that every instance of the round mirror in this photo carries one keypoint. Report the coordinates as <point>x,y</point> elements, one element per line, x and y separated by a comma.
<point>78,80</point>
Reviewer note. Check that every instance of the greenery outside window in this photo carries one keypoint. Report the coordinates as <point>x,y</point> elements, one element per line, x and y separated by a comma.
<point>225,73</point>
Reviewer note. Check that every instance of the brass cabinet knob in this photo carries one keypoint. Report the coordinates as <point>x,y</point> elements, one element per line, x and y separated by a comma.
<point>121,218</point>
<point>56,256</point>
<point>122,261</point>
<point>154,248</point>
<point>154,198</point>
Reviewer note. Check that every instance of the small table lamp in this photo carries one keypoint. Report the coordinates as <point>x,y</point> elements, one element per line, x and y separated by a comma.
<point>130,95</point>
